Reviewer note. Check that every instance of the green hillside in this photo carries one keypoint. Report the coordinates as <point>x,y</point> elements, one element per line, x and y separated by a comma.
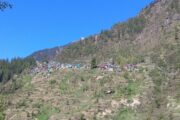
<point>149,90</point>
<point>127,39</point>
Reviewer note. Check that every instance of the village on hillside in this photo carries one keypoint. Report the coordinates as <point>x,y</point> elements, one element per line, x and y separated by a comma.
<point>50,67</point>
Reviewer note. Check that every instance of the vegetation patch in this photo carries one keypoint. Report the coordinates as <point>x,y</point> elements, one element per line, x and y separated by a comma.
<point>175,5</point>
<point>14,67</point>
<point>3,105</point>
<point>64,87</point>
<point>26,83</point>
<point>52,82</point>
<point>46,111</point>
<point>125,114</point>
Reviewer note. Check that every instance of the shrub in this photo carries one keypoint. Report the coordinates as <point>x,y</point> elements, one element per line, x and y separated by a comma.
<point>131,89</point>
<point>46,111</point>
<point>52,82</point>
<point>125,114</point>
<point>126,75</point>
<point>175,5</point>
<point>93,63</point>
<point>64,86</point>
<point>2,107</point>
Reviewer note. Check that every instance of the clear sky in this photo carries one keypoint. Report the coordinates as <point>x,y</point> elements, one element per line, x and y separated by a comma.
<point>38,24</point>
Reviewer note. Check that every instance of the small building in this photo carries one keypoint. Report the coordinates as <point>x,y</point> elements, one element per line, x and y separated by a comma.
<point>106,66</point>
<point>130,67</point>
<point>63,66</point>
<point>78,66</point>
<point>103,66</point>
<point>69,66</point>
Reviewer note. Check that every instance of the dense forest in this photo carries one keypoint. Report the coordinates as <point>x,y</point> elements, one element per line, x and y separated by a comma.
<point>14,67</point>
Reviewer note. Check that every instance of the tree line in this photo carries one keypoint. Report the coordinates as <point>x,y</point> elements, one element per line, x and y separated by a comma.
<point>14,67</point>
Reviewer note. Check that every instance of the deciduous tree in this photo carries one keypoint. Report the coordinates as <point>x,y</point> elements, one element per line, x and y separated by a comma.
<point>4,5</point>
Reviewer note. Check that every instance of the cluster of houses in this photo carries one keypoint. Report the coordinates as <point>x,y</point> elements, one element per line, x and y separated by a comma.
<point>43,67</point>
<point>49,67</point>
<point>109,67</point>
<point>117,68</point>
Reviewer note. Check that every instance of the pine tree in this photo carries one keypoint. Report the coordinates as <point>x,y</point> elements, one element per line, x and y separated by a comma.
<point>93,63</point>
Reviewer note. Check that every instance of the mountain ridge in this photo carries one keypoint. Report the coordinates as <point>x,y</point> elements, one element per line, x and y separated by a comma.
<point>122,35</point>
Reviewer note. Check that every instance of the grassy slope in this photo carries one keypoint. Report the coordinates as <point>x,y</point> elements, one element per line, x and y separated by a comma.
<point>80,94</point>
<point>71,93</point>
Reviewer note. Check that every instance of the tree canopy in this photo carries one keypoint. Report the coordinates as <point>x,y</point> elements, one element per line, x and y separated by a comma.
<point>14,67</point>
<point>4,5</point>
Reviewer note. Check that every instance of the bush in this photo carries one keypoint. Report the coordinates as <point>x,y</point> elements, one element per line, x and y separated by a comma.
<point>93,63</point>
<point>52,82</point>
<point>175,5</point>
<point>126,75</point>
<point>125,114</point>
<point>131,89</point>
<point>64,87</point>
<point>43,116</point>
<point>157,77</point>
<point>46,111</point>
<point>2,107</point>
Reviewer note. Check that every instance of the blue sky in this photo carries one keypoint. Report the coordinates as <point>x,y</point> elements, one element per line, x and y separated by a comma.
<point>38,24</point>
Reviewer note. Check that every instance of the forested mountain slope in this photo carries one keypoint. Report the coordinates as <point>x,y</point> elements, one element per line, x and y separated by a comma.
<point>137,36</point>
<point>151,91</point>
